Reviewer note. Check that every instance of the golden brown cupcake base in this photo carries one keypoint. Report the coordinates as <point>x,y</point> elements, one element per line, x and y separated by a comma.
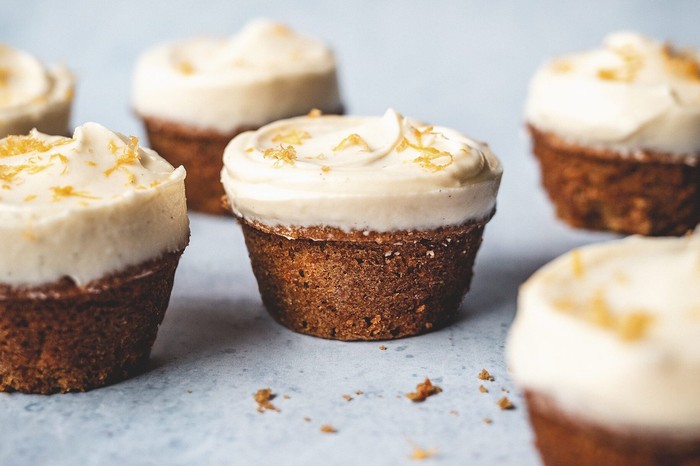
<point>648,193</point>
<point>564,441</point>
<point>62,337</point>
<point>362,285</point>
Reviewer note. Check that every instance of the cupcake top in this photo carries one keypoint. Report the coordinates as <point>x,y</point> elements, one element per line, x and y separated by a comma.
<point>264,73</point>
<point>611,332</point>
<point>634,93</point>
<point>31,95</point>
<point>84,207</point>
<point>359,173</point>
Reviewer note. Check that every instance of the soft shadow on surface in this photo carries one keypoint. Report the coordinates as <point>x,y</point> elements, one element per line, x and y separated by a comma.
<point>496,282</point>
<point>196,328</point>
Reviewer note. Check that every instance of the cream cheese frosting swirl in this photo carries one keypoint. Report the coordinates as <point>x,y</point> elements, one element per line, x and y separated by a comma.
<point>264,73</point>
<point>360,173</point>
<point>85,207</point>
<point>32,96</point>
<point>610,332</point>
<point>635,93</point>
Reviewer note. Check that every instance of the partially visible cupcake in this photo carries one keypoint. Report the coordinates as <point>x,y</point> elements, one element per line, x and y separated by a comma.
<point>606,347</point>
<point>361,228</point>
<point>32,95</point>
<point>195,96</point>
<point>617,134</point>
<point>92,229</point>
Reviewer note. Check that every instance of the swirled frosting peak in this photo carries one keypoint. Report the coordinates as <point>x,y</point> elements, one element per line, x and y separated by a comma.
<point>32,96</point>
<point>85,206</point>
<point>610,332</point>
<point>264,73</point>
<point>354,173</point>
<point>634,93</point>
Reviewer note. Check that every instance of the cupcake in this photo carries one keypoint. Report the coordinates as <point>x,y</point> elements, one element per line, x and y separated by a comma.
<point>617,135</point>
<point>92,230</point>
<point>195,96</point>
<point>32,95</point>
<point>361,228</point>
<point>605,346</point>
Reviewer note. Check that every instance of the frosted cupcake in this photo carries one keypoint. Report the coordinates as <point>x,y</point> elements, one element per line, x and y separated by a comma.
<point>92,230</point>
<point>605,345</point>
<point>32,95</point>
<point>361,228</point>
<point>617,134</point>
<point>195,96</point>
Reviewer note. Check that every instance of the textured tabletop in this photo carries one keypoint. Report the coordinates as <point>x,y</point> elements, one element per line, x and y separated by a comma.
<point>458,64</point>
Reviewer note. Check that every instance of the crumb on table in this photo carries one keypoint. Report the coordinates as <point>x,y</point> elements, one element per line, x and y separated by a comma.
<point>263,398</point>
<point>423,391</point>
<point>505,403</point>
<point>328,429</point>
<point>484,375</point>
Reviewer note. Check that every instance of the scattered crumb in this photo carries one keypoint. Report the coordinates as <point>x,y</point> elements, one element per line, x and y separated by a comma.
<point>423,391</point>
<point>328,429</point>
<point>382,347</point>
<point>454,412</point>
<point>420,454</point>
<point>189,391</point>
<point>483,389</point>
<point>504,403</point>
<point>359,392</point>
<point>484,375</point>
<point>263,398</point>
<point>487,420</point>
<point>285,396</point>
<point>347,397</point>
<point>307,419</point>
<point>505,390</point>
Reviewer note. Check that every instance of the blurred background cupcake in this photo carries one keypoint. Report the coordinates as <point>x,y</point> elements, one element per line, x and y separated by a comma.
<point>194,96</point>
<point>33,95</point>
<point>617,133</point>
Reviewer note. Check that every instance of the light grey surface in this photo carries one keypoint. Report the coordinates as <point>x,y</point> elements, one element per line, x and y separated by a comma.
<point>459,64</point>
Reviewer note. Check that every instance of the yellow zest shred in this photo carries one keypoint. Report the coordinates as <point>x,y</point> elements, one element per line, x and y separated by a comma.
<point>59,192</point>
<point>63,159</point>
<point>4,75</point>
<point>682,64</point>
<point>314,113</point>
<point>129,154</point>
<point>577,266</point>
<point>292,137</point>
<point>561,66</point>
<point>325,168</point>
<point>353,140</point>
<point>30,197</point>
<point>281,155</point>
<point>632,62</point>
<point>184,67</point>
<point>430,158</point>
<point>16,145</point>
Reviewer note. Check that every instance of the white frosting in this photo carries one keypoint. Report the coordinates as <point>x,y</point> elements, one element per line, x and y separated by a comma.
<point>612,333</point>
<point>633,94</point>
<point>358,173</point>
<point>264,73</point>
<point>32,96</point>
<point>85,207</point>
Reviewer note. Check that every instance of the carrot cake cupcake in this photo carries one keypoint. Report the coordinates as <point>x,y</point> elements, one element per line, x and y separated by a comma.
<point>361,228</point>
<point>32,95</point>
<point>92,229</point>
<point>195,96</point>
<point>617,134</point>
<point>605,346</point>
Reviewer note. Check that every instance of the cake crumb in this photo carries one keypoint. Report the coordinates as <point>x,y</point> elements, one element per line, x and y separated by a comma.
<point>423,391</point>
<point>454,412</point>
<point>420,454</point>
<point>307,419</point>
<point>504,403</point>
<point>483,389</point>
<point>359,392</point>
<point>484,375</point>
<point>505,390</point>
<point>263,398</point>
<point>488,420</point>
<point>328,429</point>
<point>347,397</point>
<point>285,397</point>
<point>382,347</point>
